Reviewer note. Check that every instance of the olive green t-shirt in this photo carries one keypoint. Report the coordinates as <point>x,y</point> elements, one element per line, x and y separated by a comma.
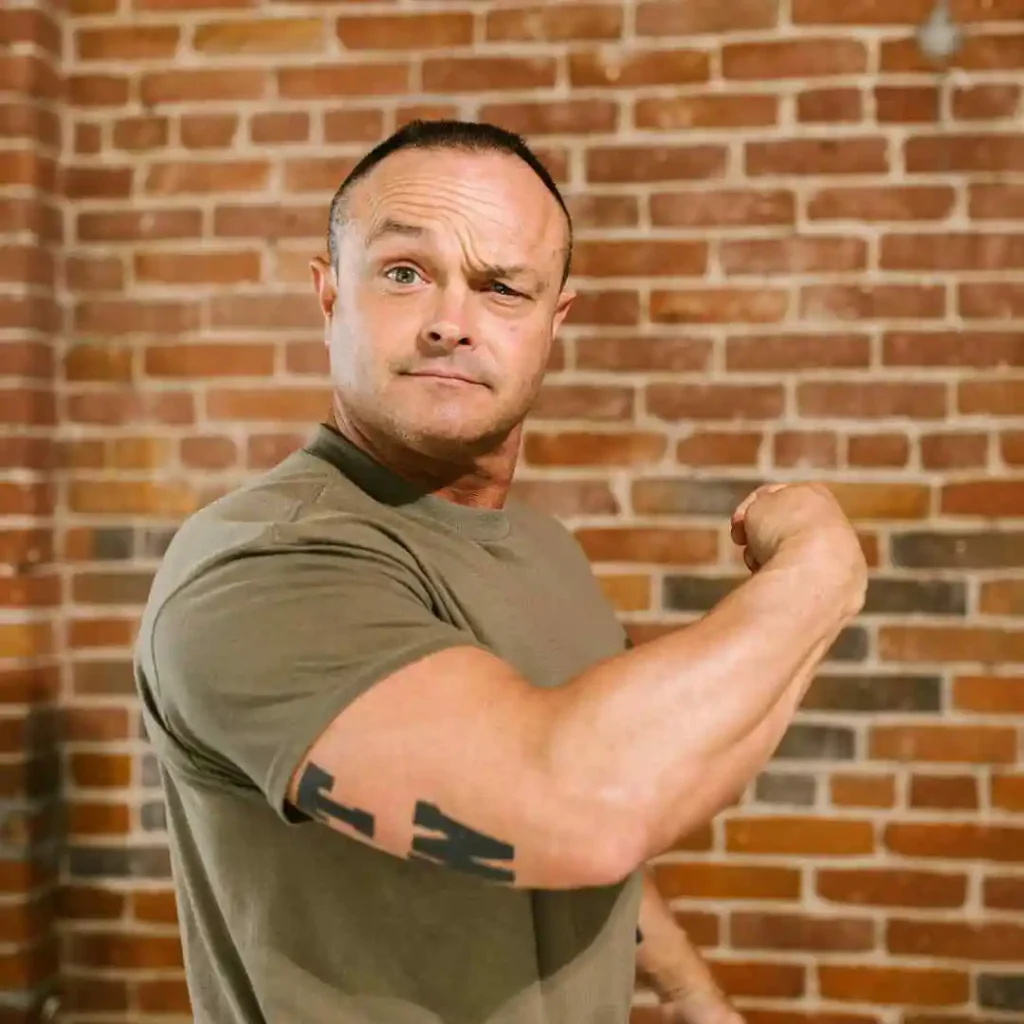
<point>275,607</point>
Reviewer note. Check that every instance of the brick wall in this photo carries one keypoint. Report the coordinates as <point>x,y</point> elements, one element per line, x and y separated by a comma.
<point>30,232</point>
<point>801,254</point>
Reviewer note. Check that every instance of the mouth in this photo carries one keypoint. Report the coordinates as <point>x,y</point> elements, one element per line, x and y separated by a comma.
<point>445,375</point>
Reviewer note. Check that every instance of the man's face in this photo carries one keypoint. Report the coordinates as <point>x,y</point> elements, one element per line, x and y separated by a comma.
<point>446,298</point>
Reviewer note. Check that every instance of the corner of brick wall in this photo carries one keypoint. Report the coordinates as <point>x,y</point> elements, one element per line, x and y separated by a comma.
<point>30,229</point>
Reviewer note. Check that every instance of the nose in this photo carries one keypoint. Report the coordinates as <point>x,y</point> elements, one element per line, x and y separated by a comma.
<point>445,326</point>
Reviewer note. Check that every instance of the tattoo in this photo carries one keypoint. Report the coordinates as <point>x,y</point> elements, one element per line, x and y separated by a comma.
<point>458,846</point>
<point>629,644</point>
<point>313,797</point>
<point>639,936</point>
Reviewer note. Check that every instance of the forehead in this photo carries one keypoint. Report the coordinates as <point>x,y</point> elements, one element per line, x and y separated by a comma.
<point>492,200</point>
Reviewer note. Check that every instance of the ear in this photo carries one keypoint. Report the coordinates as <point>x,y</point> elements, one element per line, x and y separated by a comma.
<point>565,301</point>
<point>325,285</point>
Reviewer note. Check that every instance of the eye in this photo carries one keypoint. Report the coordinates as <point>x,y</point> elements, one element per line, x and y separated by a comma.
<point>409,274</point>
<point>503,289</point>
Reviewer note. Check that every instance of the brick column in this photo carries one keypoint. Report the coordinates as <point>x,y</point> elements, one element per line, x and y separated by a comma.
<point>30,233</point>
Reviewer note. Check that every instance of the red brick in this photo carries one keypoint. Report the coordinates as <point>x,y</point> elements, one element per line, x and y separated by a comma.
<point>484,74</point>
<point>951,643</point>
<point>124,951</point>
<point>863,790</point>
<point>801,932</point>
<point>279,405</point>
<point>638,67</point>
<point>952,252</point>
<point>640,259</point>
<point>984,498</point>
<point>797,352</point>
<point>543,23</point>
<point>906,104</point>
<point>976,152</point>
<point>723,208</point>
<point>133,225</point>
<point>719,305</point>
<point>830,106</point>
<point>996,300</point>
<point>800,836</point>
<point>183,177</point>
<point>265,312</point>
<point>944,743</point>
<point>890,887</point>
<point>944,792</point>
<point>878,450</point>
<point>884,399</point>
<point>992,397</point>
<point>128,43</point>
<point>594,210</point>
<point>954,451</point>
<point>278,127</point>
<point>584,401</point>
<point>140,498</point>
<point>649,545</point>
<point>698,17</point>
<point>805,449</point>
<point>1002,597</point>
<point>626,353</point>
<point>720,448</point>
<point>860,12</point>
<point>197,85</point>
<point>94,994</point>
<point>594,449</point>
<point>882,203</point>
<point>626,593</point>
<point>1004,893</point>
<point>619,164</point>
<point>154,907</point>
<point>268,35</point>
<point>125,316</point>
<point>98,363</point>
<point>163,995</point>
<point>607,307</point>
<point>894,985</point>
<point>873,302</point>
<point>343,80</point>
<point>141,133</point>
<point>803,58</point>
<point>986,102</point>
<point>98,182</point>
<point>98,819</point>
<point>90,902</point>
<point>969,841</point>
<point>817,156</point>
<point>192,268</point>
<point>1011,447</point>
<point>559,117</point>
<point>958,940</point>
<point>708,111</point>
<point>769,980</point>
<point>99,90</point>
<point>203,131</point>
<point>209,360</point>
<point>722,881</point>
<point>793,255</point>
<point>675,402</point>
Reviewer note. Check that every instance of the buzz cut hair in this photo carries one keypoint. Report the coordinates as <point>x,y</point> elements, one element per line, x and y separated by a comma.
<point>467,136</point>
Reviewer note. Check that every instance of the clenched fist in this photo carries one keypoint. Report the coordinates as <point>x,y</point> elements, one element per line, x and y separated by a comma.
<point>802,521</point>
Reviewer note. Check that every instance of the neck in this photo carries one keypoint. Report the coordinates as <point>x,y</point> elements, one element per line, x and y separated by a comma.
<point>478,481</point>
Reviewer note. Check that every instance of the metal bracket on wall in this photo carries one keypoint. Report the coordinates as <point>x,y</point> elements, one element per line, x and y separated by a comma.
<point>939,37</point>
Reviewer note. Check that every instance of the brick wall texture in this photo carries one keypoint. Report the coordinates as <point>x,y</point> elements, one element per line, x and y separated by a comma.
<point>801,254</point>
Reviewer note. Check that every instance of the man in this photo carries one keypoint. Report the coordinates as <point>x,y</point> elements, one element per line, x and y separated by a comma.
<point>412,771</point>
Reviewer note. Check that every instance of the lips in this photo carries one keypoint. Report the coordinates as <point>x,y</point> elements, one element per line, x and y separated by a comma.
<point>446,375</point>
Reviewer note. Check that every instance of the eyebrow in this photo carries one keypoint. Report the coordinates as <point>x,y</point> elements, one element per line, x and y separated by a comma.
<point>389,226</point>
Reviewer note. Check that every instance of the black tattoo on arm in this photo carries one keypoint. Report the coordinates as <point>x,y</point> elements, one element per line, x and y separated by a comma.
<point>458,846</point>
<point>639,936</point>
<point>313,798</point>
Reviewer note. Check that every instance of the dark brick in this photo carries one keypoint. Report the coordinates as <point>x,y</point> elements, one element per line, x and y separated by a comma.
<point>119,862</point>
<point>153,816</point>
<point>899,597</point>
<point>696,593</point>
<point>113,544</point>
<point>952,550</point>
<point>692,497</point>
<point>154,542</point>
<point>852,645</point>
<point>790,790</point>
<point>874,693</point>
<point>103,678</point>
<point>150,770</point>
<point>817,742</point>
<point>1001,991</point>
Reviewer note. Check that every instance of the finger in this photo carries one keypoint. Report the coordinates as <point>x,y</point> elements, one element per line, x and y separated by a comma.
<point>750,561</point>
<point>738,532</point>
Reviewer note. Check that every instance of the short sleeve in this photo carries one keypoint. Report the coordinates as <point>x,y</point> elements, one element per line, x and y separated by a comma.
<point>253,659</point>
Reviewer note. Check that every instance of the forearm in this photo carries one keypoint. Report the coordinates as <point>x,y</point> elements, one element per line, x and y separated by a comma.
<point>657,726</point>
<point>670,963</point>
